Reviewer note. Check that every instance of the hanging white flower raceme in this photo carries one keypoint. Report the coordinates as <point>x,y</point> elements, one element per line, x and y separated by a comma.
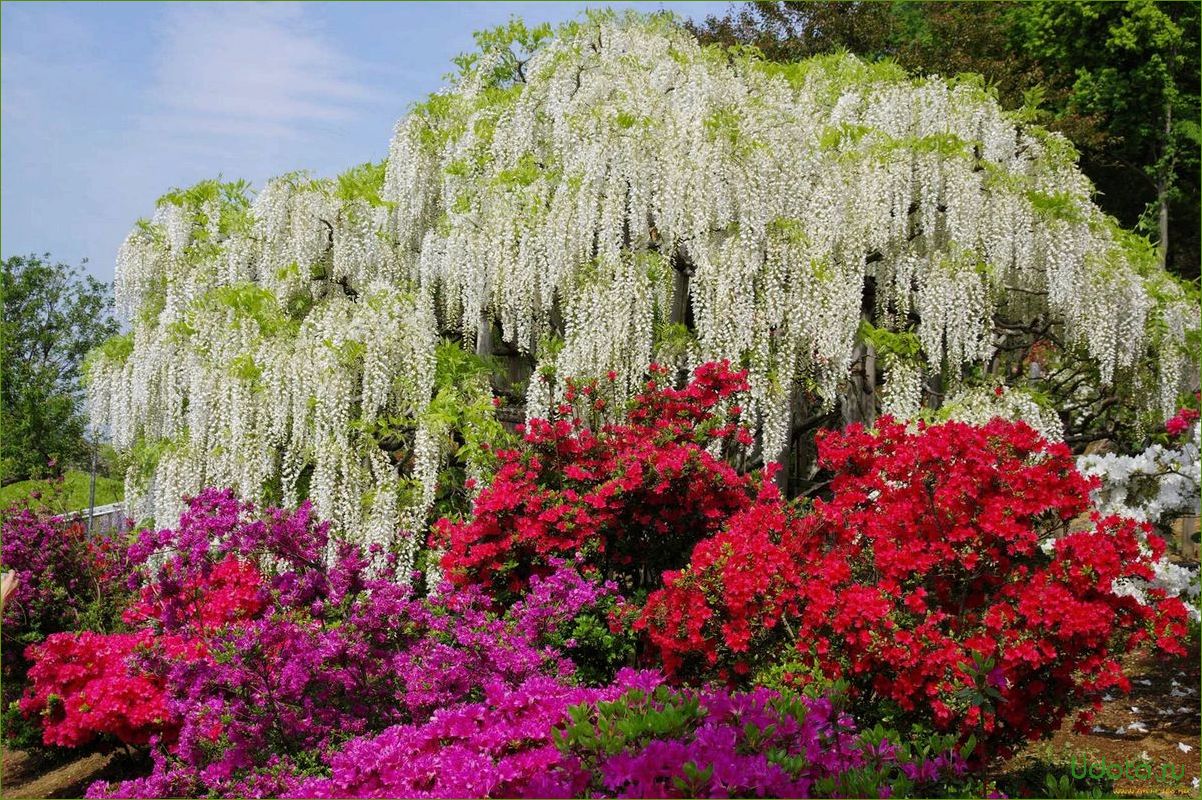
<point>977,406</point>
<point>261,386</point>
<point>902,396</point>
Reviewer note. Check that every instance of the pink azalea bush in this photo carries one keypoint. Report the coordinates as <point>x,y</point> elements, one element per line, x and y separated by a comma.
<point>301,657</point>
<point>633,738</point>
<point>82,686</point>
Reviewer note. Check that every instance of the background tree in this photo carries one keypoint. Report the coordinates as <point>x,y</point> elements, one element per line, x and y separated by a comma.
<point>53,315</point>
<point>1118,79</point>
<point>1134,67</point>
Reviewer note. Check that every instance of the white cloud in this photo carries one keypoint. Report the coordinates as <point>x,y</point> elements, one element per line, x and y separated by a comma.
<point>248,69</point>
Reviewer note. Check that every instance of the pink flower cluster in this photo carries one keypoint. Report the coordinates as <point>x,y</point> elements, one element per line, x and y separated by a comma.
<point>633,738</point>
<point>503,746</point>
<point>84,685</point>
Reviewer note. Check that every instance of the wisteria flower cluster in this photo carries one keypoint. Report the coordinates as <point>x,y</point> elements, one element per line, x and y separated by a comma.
<point>623,181</point>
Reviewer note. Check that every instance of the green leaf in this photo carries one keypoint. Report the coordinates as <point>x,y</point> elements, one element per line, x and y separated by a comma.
<point>969,746</point>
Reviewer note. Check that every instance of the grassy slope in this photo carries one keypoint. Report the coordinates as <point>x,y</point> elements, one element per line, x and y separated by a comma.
<point>74,491</point>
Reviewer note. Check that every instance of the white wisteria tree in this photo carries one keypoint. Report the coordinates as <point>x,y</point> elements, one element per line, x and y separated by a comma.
<point>609,194</point>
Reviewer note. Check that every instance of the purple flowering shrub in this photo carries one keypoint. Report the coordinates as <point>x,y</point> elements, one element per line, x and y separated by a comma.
<point>504,745</point>
<point>309,654</point>
<point>717,743</point>
<point>634,738</point>
<point>66,581</point>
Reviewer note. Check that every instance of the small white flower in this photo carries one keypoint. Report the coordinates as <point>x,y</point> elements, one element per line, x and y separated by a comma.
<point>1183,747</point>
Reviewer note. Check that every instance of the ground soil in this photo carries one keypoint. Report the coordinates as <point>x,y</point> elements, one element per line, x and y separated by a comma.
<point>1165,699</point>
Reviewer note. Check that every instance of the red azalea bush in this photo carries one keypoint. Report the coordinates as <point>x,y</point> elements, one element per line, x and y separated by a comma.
<point>634,497</point>
<point>739,590</point>
<point>230,590</point>
<point>83,685</point>
<point>929,582</point>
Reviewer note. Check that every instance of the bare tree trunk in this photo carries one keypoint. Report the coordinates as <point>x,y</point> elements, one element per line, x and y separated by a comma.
<point>858,399</point>
<point>680,295</point>
<point>785,458</point>
<point>869,384</point>
<point>682,269</point>
<point>1162,188</point>
<point>484,336</point>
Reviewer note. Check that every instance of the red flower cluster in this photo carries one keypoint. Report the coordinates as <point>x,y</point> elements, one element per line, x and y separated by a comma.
<point>633,497</point>
<point>738,586</point>
<point>88,684</point>
<point>922,581</point>
<point>84,685</point>
<point>231,591</point>
<point>1181,422</point>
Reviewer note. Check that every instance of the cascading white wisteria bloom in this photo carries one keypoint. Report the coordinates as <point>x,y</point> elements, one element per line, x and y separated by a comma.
<point>979,405</point>
<point>270,336</point>
<point>775,184</point>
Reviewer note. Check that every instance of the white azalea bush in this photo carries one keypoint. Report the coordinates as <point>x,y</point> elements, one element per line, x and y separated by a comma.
<point>596,198</point>
<point>1155,485</point>
<point>1158,485</point>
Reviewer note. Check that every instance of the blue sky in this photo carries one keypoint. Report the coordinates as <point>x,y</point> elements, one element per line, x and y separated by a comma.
<point>105,106</point>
